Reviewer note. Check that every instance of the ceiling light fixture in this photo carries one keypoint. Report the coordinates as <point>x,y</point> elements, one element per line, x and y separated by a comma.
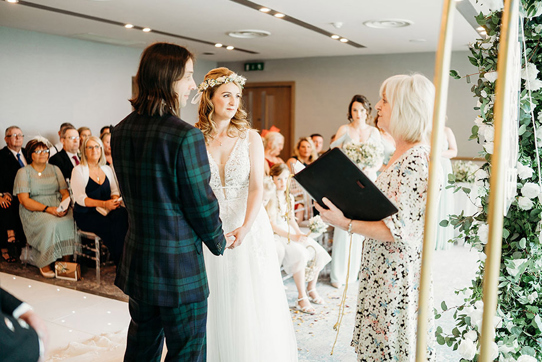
<point>388,23</point>
<point>343,40</point>
<point>129,26</point>
<point>335,37</point>
<point>12,1</point>
<point>249,34</point>
<point>265,10</point>
<point>279,15</point>
<point>229,47</point>
<point>146,30</point>
<point>218,45</point>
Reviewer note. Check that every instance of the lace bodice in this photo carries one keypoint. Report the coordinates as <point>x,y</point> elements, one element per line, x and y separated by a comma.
<point>236,172</point>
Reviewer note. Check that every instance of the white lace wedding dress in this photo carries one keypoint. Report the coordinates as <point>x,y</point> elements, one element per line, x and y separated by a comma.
<point>248,317</point>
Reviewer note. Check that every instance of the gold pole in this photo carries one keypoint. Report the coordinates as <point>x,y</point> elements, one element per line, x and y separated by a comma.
<point>442,76</point>
<point>509,23</point>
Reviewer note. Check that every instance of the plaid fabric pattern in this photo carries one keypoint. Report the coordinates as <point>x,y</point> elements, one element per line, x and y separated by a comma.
<point>183,328</point>
<point>163,173</point>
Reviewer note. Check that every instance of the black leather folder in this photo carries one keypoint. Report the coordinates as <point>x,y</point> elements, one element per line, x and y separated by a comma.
<point>336,177</point>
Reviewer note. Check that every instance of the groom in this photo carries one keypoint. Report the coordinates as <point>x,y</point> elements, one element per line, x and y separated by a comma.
<point>163,172</point>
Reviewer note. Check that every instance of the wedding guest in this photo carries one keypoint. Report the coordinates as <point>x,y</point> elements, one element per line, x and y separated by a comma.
<point>96,194</point>
<point>106,140</point>
<point>84,133</point>
<point>387,310</point>
<point>446,202</point>
<point>273,143</point>
<point>58,146</point>
<point>20,341</point>
<point>318,141</point>
<point>67,158</point>
<point>40,188</point>
<point>304,152</point>
<point>104,130</point>
<point>12,158</point>
<point>294,253</point>
<point>357,131</point>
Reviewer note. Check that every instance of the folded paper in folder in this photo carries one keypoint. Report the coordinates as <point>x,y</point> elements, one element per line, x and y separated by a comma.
<point>336,177</point>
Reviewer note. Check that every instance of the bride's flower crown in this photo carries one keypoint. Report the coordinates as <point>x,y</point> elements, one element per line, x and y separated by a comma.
<point>211,82</point>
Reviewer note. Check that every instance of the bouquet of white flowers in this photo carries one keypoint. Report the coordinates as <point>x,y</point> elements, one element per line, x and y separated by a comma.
<point>364,155</point>
<point>464,171</point>
<point>317,225</point>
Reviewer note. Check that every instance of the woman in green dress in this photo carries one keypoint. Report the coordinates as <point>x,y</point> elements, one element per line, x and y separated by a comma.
<point>40,188</point>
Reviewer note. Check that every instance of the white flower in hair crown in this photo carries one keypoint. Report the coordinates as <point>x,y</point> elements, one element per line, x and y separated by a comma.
<point>210,83</point>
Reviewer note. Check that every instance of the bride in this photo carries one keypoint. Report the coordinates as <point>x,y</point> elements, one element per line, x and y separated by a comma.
<point>248,316</point>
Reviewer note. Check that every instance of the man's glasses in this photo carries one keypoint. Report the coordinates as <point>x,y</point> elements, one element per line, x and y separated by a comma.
<point>73,138</point>
<point>39,152</point>
<point>90,148</point>
<point>16,135</point>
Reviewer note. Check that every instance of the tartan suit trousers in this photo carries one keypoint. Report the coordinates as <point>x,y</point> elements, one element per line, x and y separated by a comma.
<point>183,327</point>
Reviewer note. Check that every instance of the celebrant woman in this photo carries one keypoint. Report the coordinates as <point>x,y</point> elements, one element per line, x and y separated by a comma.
<point>386,317</point>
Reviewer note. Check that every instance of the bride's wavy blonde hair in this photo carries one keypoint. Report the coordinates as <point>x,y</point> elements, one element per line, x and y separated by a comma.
<point>239,124</point>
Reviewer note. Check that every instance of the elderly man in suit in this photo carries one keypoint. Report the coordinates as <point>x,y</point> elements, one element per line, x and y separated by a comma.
<point>163,173</point>
<point>23,334</point>
<point>67,158</point>
<point>12,158</point>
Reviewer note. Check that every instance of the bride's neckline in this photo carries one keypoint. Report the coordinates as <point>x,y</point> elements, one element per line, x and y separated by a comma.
<point>223,165</point>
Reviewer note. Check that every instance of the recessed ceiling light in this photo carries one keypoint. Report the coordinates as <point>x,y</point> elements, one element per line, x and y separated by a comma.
<point>229,47</point>
<point>388,23</point>
<point>265,10</point>
<point>343,40</point>
<point>12,1</point>
<point>128,26</point>
<point>335,37</point>
<point>249,34</point>
<point>279,15</point>
<point>218,45</point>
<point>146,30</point>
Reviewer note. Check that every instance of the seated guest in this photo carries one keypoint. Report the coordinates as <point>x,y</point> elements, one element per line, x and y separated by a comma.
<point>106,140</point>
<point>318,141</point>
<point>295,254</point>
<point>273,143</point>
<point>66,159</point>
<point>304,152</point>
<point>40,188</point>
<point>104,130</point>
<point>96,193</point>
<point>11,160</point>
<point>84,132</point>
<point>58,146</point>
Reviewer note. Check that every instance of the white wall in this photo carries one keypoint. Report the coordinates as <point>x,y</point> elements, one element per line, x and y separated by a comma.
<point>46,80</point>
<point>325,86</point>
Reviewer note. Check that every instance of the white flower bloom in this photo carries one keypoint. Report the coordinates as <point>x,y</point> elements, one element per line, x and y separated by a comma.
<point>532,297</point>
<point>503,348</point>
<point>526,358</point>
<point>506,359</point>
<point>472,335</point>
<point>483,233</point>
<point>488,146</point>
<point>467,349</point>
<point>482,256</point>
<point>483,93</point>
<point>468,310</point>
<point>476,319</point>
<point>530,190</point>
<point>529,72</point>
<point>538,28</point>
<point>489,133</point>
<point>491,76</point>
<point>479,121</point>
<point>494,351</point>
<point>524,203</point>
<point>524,172</point>
<point>533,84</point>
<point>479,304</point>
<point>514,266</point>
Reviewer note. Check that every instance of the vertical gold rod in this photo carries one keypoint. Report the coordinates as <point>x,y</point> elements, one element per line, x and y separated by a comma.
<point>441,80</point>
<point>497,179</point>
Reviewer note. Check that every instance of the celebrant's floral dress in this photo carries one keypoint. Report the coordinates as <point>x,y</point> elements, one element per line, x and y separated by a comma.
<point>386,317</point>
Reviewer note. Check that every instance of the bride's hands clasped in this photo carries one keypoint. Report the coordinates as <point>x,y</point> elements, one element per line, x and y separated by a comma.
<point>239,235</point>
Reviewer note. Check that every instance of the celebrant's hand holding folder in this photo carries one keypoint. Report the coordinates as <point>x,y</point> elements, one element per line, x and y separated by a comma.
<point>337,178</point>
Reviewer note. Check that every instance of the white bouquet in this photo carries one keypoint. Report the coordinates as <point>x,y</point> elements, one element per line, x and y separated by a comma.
<point>464,171</point>
<point>364,155</point>
<point>316,225</point>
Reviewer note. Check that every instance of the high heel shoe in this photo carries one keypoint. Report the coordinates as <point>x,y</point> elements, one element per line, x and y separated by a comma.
<point>308,309</point>
<point>47,274</point>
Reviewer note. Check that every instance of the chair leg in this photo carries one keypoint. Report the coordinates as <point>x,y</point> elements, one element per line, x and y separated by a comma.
<point>97,245</point>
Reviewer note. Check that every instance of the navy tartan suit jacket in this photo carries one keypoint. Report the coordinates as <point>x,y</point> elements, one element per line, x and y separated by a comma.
<point>163,172</point>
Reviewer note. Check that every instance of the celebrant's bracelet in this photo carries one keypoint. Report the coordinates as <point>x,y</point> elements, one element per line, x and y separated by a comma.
<point>350,226</point>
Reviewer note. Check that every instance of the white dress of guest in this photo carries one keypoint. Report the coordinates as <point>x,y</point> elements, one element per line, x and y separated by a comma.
<point>341,240</point>
<point>446,206</point>
<point>248,315</point>
<point>387,309</point>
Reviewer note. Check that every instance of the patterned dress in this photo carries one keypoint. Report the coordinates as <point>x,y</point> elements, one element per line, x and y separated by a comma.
<point>386,318</point>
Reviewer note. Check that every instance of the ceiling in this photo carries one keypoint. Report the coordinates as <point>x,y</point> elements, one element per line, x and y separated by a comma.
<point>211,20</point>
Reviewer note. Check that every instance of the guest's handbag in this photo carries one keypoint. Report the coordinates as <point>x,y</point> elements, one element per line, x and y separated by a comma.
<point>67,270</point>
